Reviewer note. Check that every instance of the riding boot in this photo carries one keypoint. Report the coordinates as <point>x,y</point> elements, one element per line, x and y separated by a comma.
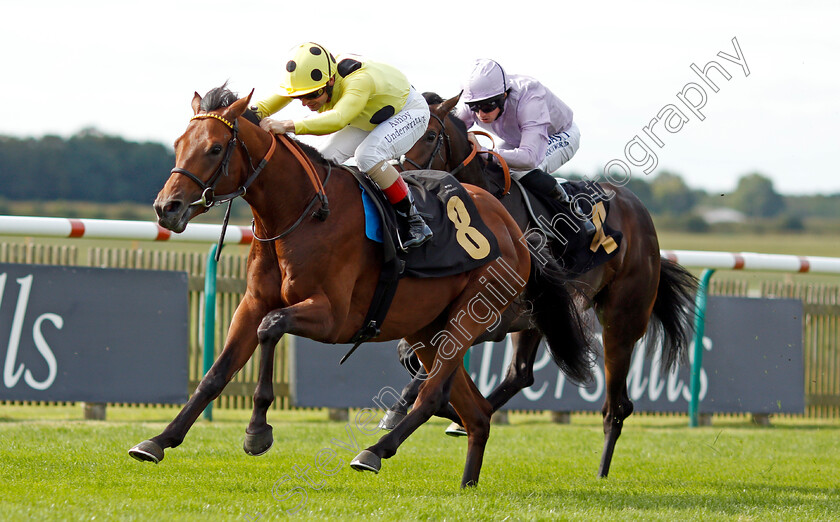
<point>418,231</point>
<point>559,193</point>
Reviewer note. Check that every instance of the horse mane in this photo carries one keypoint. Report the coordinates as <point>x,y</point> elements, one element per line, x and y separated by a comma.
<point>462,127</point>
<point>221,97</point>
<point>432,98</point>
<point>218,98</point>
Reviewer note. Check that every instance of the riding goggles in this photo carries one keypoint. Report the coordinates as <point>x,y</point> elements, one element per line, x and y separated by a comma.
<point>486,106</point>
<point>311,95</point>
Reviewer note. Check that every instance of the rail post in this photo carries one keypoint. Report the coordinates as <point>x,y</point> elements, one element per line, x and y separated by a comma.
<point>699,331</point>
<point>210,319</point>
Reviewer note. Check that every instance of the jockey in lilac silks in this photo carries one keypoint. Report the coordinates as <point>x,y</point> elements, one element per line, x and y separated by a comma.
<point>537,128</point>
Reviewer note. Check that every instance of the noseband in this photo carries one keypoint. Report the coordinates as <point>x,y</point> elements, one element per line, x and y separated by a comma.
<point>210,199</point>
<point>208,194</point>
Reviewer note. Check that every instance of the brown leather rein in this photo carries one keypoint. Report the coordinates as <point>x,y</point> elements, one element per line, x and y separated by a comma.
<point>498,156</point>
<point>443,138</point>
<point>210,199</point>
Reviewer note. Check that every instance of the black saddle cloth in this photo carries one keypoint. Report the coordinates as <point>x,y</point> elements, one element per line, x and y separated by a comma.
<point>461,240</point>
<point>576,251</point>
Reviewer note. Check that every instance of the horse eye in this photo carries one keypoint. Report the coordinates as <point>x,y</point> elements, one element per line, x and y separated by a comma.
<point>430,136</point>
<point>216,149</point>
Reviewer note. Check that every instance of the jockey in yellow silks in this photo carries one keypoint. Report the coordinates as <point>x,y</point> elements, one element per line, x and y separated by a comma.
<point>370,111</point>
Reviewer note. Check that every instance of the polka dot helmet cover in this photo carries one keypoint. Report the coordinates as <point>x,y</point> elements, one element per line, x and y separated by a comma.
<point>308,68</point>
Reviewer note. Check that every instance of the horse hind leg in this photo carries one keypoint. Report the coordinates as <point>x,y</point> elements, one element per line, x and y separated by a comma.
<point>617,407</point>
<point>475,411</point>
<point>520,371</point>
<point>471,406</point>
<point>433,392</point>
<point>446,370</point>
<point>399,409</point>
<point>519,375</point>
<point>619,340</point>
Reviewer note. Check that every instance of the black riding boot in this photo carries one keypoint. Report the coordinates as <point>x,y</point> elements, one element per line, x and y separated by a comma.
<point>418,231</point>
<point>558,193</point>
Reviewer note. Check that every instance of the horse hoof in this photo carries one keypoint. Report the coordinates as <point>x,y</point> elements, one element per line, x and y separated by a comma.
<point>456,430</point>
<point>390,420</point>
<point>147,451</point>
<point>366,461</point>
<point>257,444</point>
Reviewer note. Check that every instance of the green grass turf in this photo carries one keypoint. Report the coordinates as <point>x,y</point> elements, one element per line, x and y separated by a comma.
<point>58,467</point>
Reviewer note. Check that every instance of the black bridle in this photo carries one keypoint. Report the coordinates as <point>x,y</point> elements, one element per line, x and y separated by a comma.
<point>210,199</point>
<point>208,188</point>
<point>441,138</point>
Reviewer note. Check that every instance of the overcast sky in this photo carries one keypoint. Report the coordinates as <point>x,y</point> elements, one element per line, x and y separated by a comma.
<point>130,69</point>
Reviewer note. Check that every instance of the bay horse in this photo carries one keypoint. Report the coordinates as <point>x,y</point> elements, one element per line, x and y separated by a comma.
<point>314,274</point>
<point>634,289</point>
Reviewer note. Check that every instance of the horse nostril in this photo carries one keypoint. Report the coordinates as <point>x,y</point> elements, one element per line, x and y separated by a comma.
<point>169,208</point>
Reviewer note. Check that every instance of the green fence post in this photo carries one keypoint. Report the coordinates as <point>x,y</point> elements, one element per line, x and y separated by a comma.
<point>467,360</point>
<point>699,332</point>
<point>210,319</point>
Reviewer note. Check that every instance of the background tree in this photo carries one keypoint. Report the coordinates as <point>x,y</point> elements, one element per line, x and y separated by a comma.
<point>88,166</point>
<point>671,195</point>
<point>756,197</point>
<point>641,189</point>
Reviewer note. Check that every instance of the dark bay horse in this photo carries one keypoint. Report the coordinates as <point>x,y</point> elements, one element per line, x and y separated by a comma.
<point>636,287</point>
<point>314,275</point>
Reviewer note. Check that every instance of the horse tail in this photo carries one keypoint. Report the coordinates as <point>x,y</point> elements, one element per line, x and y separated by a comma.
<point>672,320</point>
<point>549,292</point>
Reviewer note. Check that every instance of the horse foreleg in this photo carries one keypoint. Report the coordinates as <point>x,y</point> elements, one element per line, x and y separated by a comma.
<point>399,409</point>
<point>239,346</point>
<point>258,434</point>
<point>306,319</point>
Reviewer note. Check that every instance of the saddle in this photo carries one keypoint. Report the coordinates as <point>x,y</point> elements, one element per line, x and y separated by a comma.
<point>461,241</point>
<point>572,247</point>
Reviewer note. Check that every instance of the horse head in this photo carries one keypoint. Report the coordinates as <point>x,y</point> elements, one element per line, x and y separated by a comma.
<point>203,159</point>
<point>445,145</point>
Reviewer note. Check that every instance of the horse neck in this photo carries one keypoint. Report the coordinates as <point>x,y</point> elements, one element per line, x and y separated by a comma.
<point>281,193</point>
<point>473,172</point>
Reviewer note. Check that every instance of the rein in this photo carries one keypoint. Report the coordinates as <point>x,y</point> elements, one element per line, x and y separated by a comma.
<point>210,199</point>
<point>491,152</point>
<point>324,210</point>
<point>208,194</point>
<point>443,137</point>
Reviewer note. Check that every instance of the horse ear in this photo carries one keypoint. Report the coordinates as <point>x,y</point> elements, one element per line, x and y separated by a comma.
<point>196,103</point>
<point>238,107</point>
<point>449,104</point>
